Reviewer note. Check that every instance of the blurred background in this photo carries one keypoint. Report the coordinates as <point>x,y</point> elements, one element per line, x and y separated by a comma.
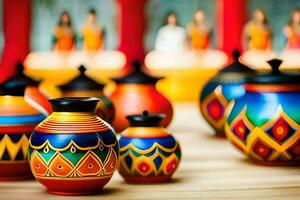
<point>130,30</point>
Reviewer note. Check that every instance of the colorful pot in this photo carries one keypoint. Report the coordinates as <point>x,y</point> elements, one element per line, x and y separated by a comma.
<point>33,94</point>
<point>218,92</point>
<point>148,152</point>
<point>84,86</point>
<point>17,121</point>
<point>136,92</point>
<point>73,151</point>
<point>265,123</point>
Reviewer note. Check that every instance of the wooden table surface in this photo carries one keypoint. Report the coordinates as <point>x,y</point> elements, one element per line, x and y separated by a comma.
<point>210,169</point>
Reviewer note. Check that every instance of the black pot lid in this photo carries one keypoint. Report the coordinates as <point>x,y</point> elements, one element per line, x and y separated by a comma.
<point>236,66</point>
<point>20,78</point>
<point>146,119</point>
<point>82,82</point>
<point>274,76</point>
<point>137,75</point>
<point>16,85</point>
<point>74,104</point>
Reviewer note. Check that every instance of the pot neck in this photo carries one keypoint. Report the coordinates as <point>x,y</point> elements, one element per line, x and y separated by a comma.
<point>272,87</point>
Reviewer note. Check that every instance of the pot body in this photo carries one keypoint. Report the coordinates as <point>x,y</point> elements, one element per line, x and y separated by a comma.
<point>148,155</point>
<point>265,126</point>
<point>73,153</point>
<point>214,100</point>
<point>17,121</point>
<point>37,99</point>
<point>105,108</point>
<point>135,98</point>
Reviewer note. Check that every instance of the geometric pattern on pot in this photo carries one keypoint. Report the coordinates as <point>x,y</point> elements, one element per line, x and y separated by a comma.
<point>157,160</point>
<point>13,147</point>
<point>214,107</point>
<point>277,139</point>
<point>73,161</point>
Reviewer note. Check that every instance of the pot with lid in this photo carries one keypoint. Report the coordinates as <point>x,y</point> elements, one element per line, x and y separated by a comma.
<point>219,91</point>
<point>136,92</point>
<point>264,124</point>
<point>84,86</point>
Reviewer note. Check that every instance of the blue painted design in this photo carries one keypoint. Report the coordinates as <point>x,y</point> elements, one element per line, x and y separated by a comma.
<point>261,107</point>
<point>83,140</point>
<point>146,143</point>
<point>158,161</point>
<point>229,90</point>
<point>128,161</point>
<point>31,119</point>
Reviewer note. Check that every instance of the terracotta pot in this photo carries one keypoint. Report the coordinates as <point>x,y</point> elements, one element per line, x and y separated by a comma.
<point>33,94</point>
<point>149,153</point>
<point>264,124</point>
<point>227,85</point>
<point>17,121</point>
<point>73,151</point>
<point>84,86</point>
<point>136,92</point>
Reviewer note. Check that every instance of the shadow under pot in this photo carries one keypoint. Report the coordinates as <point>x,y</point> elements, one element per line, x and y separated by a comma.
<point>73,151</point>
<point>227,85</point>
<point>17,121</point>
<point>136,92</point>
<point>265,123</point>
<point>84,86</point>
<point>148,152</point>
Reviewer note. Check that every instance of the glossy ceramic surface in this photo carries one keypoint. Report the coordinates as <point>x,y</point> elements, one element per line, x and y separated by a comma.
<point>134,98</point>
<point>17,121</point>
<point>265,123</point>
<point>148,154</point>
<point>73,152</point>
<point>218,92</point>
<point>136,92</point>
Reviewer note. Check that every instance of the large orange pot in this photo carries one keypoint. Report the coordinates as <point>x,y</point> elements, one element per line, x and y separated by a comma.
<point>136,92</point>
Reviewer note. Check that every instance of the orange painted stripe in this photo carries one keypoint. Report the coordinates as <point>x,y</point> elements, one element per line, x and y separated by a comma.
<point>271,87</point>
<point>17,129</point>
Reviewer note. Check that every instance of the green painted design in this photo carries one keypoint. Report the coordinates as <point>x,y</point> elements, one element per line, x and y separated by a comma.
<point>74,157</point>
<point>47,156</point>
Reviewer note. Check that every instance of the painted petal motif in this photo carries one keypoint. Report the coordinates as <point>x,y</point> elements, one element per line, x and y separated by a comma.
<point>111,163</point>
<point>90,165</point>
<point>37,164</point>
<point>215,109</point>
<point>60,166</point>
<point>281,130</point>
<point>241,130</point>
<point>262,150</point>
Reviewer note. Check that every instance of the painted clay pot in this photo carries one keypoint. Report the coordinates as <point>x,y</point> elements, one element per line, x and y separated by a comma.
<point>17,121</point>
<point>33,93</point>
<point>265,123</point>
<point>84,86</point>
<point>136,92</point>
<point>148,152</point>
<point>73,151</point>
<point>227,85</point>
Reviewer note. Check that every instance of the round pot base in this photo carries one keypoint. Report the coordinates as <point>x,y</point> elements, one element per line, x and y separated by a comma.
<point>15,171</point>
<point>73,187</point>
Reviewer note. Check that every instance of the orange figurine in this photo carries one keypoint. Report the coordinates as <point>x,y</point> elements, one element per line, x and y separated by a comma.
<point>199,31</point>
<point>257,33</point>
<point>64,36</point>
<point>292,30</point>
<point>92,33</point>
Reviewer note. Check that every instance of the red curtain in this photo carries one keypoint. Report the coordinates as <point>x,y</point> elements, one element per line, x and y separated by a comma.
<point>231,17</point>
<point>132,29</point>
<point>16,30</point>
